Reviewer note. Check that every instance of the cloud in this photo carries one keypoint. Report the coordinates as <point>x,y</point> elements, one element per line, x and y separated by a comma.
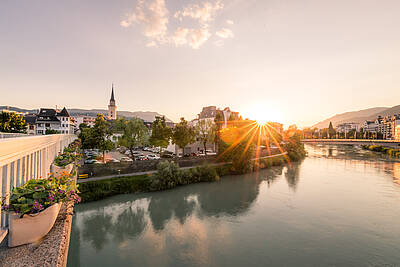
<point>204,13</point>
<point>230,22</point>
<point>180,36</point>
<point>153,16</point>
<point>197,37</point>
<point>224,33</point>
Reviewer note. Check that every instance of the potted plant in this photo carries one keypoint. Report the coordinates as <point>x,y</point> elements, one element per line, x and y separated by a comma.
<point>34,207</point>
<point>64,162</point>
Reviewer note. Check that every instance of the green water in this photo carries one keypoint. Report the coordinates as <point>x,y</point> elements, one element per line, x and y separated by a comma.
<point>339,207</point>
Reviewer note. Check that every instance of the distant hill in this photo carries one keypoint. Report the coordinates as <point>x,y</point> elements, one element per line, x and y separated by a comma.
<point>144,115</point>
<point>357,116</point>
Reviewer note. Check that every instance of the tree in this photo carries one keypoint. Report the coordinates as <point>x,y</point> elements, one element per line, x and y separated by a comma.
<point>51,131</point>
<point>12,123</point>
<point>98,136</point>
<point>160,133</point>
<point>331,130</point>
<point>218,120</point>
<point>206,132</point>
<point>183,135</point>
<point>134,133</point>
<point>83,126</point>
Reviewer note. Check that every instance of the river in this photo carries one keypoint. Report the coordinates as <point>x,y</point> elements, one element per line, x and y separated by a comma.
<point>338,207</point>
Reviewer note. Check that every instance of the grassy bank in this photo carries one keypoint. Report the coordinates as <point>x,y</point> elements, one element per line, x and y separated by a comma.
<point>385,150</point>
<point>168,176</point>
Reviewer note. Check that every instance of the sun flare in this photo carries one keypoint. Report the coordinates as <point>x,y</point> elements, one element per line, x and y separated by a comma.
<point>263,114</point>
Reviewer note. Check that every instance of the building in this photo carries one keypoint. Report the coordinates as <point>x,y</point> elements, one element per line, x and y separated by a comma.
<point>30,120</point>
<point>395,127</point>
<point>347,127</point>
<point>88,120</point>
<point>210,113</point>
<point>370,127</point>
<point>112,108</point>
<point>51,119</point>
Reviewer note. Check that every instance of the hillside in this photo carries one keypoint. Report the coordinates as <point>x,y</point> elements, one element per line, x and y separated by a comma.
<point>389,111</point>
<point>144,115</point>
<point>356,116</point>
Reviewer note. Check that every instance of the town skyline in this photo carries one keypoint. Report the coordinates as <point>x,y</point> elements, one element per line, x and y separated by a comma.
<point>289,59</point>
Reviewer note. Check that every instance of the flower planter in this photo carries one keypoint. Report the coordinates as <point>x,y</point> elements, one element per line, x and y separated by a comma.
<point>31,227</point>
<point>58,171</point>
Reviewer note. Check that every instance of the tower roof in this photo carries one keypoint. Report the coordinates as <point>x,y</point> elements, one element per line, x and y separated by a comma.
<point>112,93</point>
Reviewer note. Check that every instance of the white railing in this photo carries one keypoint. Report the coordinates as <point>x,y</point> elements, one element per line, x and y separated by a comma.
<point>25,158</point>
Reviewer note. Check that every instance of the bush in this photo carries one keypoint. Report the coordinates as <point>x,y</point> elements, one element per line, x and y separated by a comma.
<point>96,190</point>
<point>169,175</point>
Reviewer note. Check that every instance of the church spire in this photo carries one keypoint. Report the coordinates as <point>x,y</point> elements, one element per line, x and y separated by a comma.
<point>112,93</point>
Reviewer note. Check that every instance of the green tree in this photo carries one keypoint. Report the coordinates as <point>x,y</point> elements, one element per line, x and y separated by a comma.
<point>219,120</point>
<point>134,133</point>
<point>160,133</point>
<point>51,131</point>
<point>206,133</point>
<point>331,130</point>
<point>183,135</point>
<point>12,123</point>
<point>98,136</point>
<point>83,126</point>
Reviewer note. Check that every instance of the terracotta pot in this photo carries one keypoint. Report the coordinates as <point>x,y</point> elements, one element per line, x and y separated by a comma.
<point>58,171</point>
<point>31,228</point>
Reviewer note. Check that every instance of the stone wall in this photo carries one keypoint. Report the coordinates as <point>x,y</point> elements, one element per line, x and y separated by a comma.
<point>113,168</point>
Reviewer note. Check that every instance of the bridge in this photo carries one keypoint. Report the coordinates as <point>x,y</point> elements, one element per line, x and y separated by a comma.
<point>387,143</point>
<point>24,157</point>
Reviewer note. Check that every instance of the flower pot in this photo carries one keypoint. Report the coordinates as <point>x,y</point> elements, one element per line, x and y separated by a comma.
<point>58,171</point>
<point>31,227</point>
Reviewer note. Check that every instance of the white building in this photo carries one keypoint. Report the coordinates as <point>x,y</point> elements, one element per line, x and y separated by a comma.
<point>347,127</point>
<point>88,120</point>
<point>50,119</point>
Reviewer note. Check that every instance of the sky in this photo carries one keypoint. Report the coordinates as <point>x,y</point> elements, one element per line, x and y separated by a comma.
<point>292,61</point>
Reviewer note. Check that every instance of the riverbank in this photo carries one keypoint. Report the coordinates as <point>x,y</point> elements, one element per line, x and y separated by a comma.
<point>166,177</point>
<point>384,150</point>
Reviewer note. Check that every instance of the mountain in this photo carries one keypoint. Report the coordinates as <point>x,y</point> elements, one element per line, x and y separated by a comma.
<point>144,115</point>
<point>390,111</point>
<point>357,116</point>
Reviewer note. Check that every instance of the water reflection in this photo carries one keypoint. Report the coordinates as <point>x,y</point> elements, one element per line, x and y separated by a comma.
<point>292,175</point>
<point>126,217</point>
<point>228,222</point>
<point>94,228</point>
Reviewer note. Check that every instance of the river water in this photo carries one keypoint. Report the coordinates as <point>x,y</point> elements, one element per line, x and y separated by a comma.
<point>338,207</point>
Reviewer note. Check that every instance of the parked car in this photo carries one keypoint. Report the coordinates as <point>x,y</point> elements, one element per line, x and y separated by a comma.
<point>141,157</point>
<point>211,153</point>
<point>126,159</point>
<point>152,156</point>
<point>167,155</point>
<point>112,160</point>
<point>90,161</point>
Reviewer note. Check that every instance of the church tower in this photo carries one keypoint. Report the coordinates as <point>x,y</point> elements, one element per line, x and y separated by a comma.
<point>112,108</point>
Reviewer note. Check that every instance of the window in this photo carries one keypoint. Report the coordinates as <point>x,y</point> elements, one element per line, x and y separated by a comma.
<point>47,125</point>
<point>39,125</point>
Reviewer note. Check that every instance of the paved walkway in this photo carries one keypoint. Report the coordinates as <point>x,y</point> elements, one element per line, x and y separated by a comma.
<point>91,179</point>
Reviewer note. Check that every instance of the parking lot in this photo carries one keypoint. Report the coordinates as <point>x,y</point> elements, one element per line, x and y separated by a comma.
<point>94,156</point>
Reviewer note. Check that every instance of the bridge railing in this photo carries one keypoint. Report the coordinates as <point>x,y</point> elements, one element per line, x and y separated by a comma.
<point>352,140</point>
<point>25,158</point>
